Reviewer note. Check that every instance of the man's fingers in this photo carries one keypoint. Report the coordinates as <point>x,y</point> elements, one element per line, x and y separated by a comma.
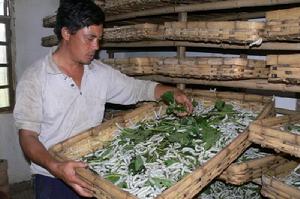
<point>82,191</point>
<point>78,164</point>
<point>189,106</point>
<point>78,181</point>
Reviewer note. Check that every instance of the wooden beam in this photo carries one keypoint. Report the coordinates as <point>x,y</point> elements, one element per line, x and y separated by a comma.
<point>264,46</point>
<point>283,46</point>
<point>201,7</point>
<point>286,111</point>
<point>259,84</point>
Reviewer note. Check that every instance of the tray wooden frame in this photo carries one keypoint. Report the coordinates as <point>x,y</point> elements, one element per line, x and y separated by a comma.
<point>274,188</point>
<point>92,139</point>
<point>266,133</point>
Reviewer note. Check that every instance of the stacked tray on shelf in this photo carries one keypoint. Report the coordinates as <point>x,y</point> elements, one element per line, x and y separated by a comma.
<point>219,68</point>
<point>240,32</point>
<point>257,161</point>
<point>283,25</point>
<point>284,68</point>
<point>49,41</point>
<point>250,168</point>
<point>94,139</point>
<point>244,32</point>
<point>137,32</point>
<point>279,133</point>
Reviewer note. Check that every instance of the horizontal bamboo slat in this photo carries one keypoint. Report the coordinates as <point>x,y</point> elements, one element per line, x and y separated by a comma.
<point>89,141</point>
<point>266,133</point>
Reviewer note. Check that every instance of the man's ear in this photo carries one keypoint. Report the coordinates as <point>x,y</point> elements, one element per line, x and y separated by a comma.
<point>65,33</point>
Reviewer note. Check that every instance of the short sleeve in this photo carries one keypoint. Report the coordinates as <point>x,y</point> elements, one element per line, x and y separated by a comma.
<point>28,107</point>
<point>128,90</point>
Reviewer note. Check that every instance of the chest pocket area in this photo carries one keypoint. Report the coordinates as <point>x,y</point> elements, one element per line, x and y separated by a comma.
<point>57,102</point>
<point>96,107</point>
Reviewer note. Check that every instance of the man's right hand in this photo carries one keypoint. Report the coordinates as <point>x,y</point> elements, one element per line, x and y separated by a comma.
<point>38,154</point>
<point>66,172</point>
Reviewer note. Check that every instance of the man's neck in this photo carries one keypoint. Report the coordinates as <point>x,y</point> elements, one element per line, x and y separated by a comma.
<point>63,58</point>
<point>68,66</point>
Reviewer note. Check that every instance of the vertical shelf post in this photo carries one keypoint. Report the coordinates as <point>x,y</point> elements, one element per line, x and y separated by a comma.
<point>111,54</point>
<point>182,16</point>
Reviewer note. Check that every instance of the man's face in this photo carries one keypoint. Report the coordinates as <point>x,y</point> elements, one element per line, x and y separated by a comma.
<point>84,43</point>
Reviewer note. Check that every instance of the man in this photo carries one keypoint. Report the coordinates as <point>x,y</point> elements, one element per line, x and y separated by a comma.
<point>64,94</point>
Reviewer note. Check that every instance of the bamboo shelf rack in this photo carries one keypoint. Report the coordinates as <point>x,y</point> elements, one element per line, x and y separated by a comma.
<point>185,9</point>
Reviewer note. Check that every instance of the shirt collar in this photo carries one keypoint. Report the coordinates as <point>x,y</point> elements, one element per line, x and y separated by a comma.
<point>52,67</point>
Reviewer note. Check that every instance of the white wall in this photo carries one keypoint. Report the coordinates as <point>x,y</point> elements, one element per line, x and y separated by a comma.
<point>29,30</point>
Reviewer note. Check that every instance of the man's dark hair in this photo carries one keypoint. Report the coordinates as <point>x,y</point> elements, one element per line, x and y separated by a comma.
<point>77,14</point>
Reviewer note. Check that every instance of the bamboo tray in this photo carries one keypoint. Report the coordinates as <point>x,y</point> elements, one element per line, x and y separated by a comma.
<point>190,185</point>
<point>283,25</point>
<point>240,173</point>
<point>273,187</point>
<point>284,68</point>
<point>218,68</point>
<point>136,32</point>
<point>244,32</point>
<point>267,133</point>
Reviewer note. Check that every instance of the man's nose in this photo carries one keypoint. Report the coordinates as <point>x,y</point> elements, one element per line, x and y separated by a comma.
<point>96,45</point>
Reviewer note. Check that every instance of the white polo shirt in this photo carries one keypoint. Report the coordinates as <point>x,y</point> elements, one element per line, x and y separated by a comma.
<point>49,102</point>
